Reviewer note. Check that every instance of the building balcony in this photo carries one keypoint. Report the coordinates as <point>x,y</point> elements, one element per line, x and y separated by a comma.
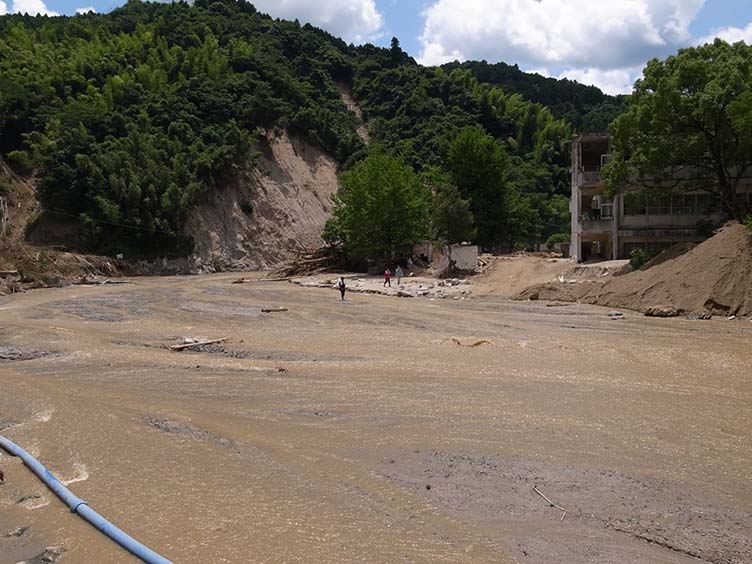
<point>594,226</point>
<point>590,177</point>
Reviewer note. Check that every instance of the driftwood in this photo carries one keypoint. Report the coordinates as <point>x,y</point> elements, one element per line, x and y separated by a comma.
<point>273,310</point>
<point>473,344</point>
<point>247,280</point>
<point>182,346</point>
<point>311,261</point>
<point>551,503</point>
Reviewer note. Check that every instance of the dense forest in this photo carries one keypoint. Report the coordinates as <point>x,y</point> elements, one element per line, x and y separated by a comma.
<point>128,117</point>
<point>585,107</point>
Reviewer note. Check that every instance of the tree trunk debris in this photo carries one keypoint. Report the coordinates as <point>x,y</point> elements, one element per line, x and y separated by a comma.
<point>182,346</point>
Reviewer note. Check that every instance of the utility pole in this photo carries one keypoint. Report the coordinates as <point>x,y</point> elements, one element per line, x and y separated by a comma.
<point>3,217</point>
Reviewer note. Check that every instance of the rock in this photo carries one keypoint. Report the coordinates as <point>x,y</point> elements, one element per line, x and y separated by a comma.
<point>616,315</point>
<point>661,311</point>
<point>533,296</point>
<point>403,294</point>
<point>50,554</point>
<point>700,316</point>
<point>17,532</point>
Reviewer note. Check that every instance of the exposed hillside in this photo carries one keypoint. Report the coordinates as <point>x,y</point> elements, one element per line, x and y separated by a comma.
<point>130,119</point>
<point>281,206</point>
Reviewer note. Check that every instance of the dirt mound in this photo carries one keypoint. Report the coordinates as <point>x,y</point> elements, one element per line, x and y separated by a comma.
<point>713,278</point>
<point>509,275</point>
<point>671,253</point>
<point>270,212</point>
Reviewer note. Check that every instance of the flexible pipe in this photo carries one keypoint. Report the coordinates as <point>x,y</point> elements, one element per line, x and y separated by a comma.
<point>80,507</point>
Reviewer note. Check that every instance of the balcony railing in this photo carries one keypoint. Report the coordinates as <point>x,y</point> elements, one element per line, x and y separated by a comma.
<point>589,226</point>
<point>590,176</point>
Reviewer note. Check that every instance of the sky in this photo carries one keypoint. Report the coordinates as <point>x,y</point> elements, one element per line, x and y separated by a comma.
<point>601,42</point>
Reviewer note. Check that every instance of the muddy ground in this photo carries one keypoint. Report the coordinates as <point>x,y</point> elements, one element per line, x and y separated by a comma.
<point>368,431</point>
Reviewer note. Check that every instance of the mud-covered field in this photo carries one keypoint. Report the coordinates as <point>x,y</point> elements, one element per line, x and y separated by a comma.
<point>369,430</point>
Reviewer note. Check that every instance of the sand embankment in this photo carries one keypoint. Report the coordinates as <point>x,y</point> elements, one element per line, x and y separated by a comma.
<point>714,278</point>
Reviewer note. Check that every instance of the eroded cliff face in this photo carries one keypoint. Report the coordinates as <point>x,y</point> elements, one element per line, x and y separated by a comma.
<point>276,209</point>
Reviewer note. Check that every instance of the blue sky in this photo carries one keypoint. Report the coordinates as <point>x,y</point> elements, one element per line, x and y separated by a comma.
<point>604,43</point>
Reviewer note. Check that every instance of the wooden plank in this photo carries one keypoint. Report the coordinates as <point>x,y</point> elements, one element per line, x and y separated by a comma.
<point>197,344</point>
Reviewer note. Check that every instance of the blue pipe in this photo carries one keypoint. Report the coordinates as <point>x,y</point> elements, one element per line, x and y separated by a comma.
<point>79,506</point>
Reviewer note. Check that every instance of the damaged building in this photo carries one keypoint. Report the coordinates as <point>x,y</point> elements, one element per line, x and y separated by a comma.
<point>605,228</point>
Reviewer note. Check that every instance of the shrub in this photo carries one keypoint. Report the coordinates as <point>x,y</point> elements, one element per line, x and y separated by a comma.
<point>638,257</point>
<point>557,238</point>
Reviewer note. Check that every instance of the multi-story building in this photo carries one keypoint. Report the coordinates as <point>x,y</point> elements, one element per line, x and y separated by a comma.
<point>604,228</point>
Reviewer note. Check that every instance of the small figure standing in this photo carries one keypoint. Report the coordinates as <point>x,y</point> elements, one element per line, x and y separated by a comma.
<point>399,274</point>
<point>387,278</point>
<point>341,287</point>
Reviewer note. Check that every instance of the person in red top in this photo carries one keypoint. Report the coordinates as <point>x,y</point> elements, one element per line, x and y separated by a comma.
<point>387,278</point>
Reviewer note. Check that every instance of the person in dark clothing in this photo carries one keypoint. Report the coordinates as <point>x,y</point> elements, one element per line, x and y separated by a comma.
<point>387,278</point>
<point>341,287</point>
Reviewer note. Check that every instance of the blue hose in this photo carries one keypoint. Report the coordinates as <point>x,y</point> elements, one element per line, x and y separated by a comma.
<point>79,506</point>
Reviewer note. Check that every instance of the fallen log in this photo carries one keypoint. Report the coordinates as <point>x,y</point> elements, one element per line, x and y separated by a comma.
<point>182,346</point>
<point>272,310</point>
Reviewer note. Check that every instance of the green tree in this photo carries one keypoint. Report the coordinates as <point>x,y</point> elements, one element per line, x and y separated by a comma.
<point>477,165</point>
<point>689,124</point>
<point>451,218</point>
<point>381,205</point>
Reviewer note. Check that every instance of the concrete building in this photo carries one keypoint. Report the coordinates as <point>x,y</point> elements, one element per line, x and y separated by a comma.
<point>605,229</point>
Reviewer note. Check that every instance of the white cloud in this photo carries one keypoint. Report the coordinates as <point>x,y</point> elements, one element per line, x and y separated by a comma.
<point>730,34</point>
<point>86,10</point>
<point>581,33</point>
<point>31,7</point>
<point>591,40</point>
<point>615,81</point>
<point>354,20</point>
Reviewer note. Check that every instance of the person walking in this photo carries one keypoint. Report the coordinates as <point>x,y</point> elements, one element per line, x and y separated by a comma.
<point>387,277</point>
<point>341,287</point>
<point>399,274</point>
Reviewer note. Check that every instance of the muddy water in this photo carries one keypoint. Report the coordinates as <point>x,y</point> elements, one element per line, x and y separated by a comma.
<point>360,432</point>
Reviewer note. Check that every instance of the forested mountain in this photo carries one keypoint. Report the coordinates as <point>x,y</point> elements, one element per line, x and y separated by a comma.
<point>128,117</point>
<point>587,108</point>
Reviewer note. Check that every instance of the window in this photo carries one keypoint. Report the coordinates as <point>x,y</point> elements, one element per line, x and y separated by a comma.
<point>634,203</point>
<point>684,205</point>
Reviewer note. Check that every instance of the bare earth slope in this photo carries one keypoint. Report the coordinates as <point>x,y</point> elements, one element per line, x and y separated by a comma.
<point>715,277</point>
<point>290,200</point>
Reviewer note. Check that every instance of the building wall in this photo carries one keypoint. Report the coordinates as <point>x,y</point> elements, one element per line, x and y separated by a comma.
<point>661,224</point>
<point>465,257</point>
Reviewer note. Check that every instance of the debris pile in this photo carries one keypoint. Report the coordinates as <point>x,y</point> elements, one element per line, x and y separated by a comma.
<point>311,261</point>
<point>713,278</point>
<point>412,287</point>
